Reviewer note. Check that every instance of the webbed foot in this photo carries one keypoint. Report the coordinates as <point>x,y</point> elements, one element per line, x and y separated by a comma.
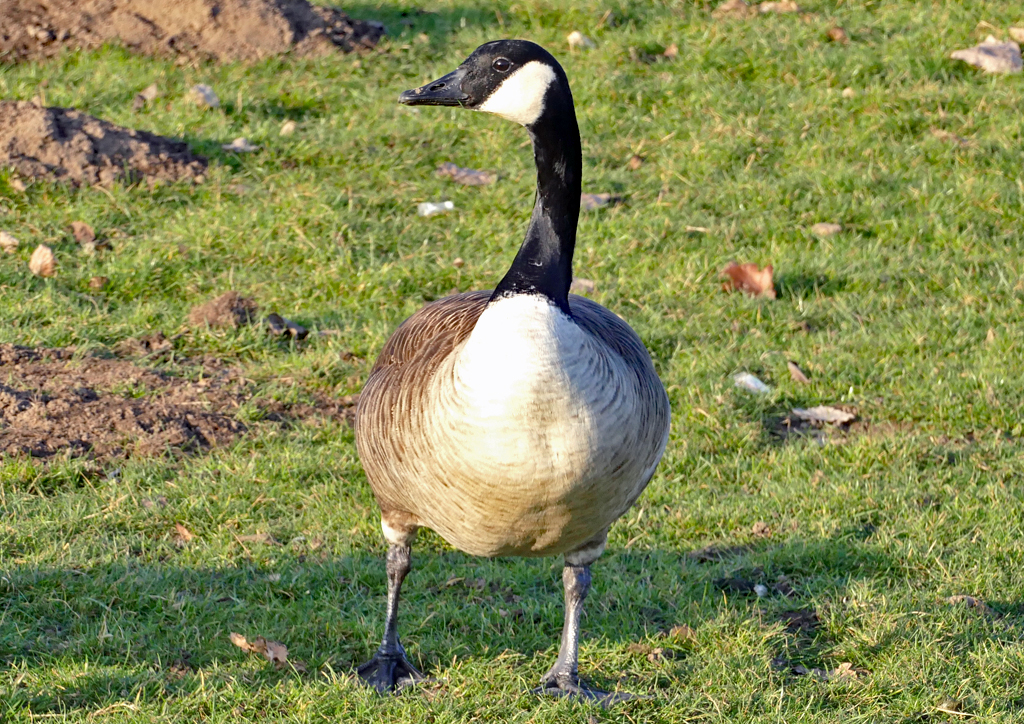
<point>565,684</point>
<point>389,672</point>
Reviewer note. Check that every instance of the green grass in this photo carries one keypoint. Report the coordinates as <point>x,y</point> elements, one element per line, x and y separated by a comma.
<point>746,134</point>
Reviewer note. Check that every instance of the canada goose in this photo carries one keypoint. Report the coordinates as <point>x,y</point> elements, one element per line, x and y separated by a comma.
<point>521,421</point>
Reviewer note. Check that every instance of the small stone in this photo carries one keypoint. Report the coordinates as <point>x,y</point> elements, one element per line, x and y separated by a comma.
<point>838,35</point>
<point>203,95</point>
<point>458,262</point>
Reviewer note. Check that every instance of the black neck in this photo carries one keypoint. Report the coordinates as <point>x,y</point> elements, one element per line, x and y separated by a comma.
<point>544,262</point>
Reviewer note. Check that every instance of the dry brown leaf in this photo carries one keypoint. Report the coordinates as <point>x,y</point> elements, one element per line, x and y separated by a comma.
<point>761,529</point>
<point>635,162</point>
<point>845,670</point>
<point>749,278</point>
<point>970,602</point>
<point>239,640</point>
<point>182,535</point>
<point>8,243</point>
<point>824,413</point>
<point>275,651</point>
<point>466,176</point>
<point>796,373</point>
<point>43,263</point>
<point>733,9</point>
<point>17,184</point>
<point>287,128</point>
<point>1017,34</point>
<point>82,232</point>
<point>786,6</point>
<point>671,52</point>
<point>826,228</point>
<point>990,336</point>
<point>98,283</point>
<point>682,633</point>
<point>848,92</point>
<point>837,35</point>
<point>458,262</point>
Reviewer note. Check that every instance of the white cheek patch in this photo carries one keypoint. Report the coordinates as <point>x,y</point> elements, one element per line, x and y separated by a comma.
<point>520,97</point>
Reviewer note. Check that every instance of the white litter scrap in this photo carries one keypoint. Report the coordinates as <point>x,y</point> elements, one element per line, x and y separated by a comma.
<point>992,56</point>
<point>824,413</point>
<point>431,208</point>
<point>240,145</point>
<point>749,382</point>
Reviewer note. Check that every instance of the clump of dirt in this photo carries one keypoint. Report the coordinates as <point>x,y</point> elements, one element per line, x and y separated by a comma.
<point>230,310</point>
<point>222,30</point>
<point>62,144</point>
<point>52,403</point>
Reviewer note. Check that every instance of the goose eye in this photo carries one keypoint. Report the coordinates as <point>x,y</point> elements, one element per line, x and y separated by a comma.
<point>502,65</point>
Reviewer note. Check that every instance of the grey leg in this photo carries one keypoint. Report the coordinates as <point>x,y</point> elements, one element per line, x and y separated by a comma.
<point>563,678</point>
<point>389,670</point>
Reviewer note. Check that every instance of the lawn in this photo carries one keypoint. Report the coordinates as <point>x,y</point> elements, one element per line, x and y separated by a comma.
<point>911,316</point>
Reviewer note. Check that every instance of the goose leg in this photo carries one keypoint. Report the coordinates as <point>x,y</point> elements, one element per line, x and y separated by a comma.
<point>563,678</point>
<point>389,670</point>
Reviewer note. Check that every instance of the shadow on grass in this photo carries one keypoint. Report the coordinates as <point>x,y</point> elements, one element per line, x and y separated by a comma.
<point>158,631</point>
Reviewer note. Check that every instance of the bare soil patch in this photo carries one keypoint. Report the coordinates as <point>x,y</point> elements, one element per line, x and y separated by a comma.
<point>62,144</point>
<point>105,409</point>
<point>222,30</point>
<point>230,310</point>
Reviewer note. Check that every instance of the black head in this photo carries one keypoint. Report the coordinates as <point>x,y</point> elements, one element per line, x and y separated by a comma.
<point>510,78</point>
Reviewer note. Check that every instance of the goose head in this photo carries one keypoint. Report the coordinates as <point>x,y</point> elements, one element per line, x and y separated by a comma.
<point>514,79</point>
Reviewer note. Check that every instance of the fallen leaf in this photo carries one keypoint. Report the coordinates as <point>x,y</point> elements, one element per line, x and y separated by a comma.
<point>458,262</point>
<point>749,382</point>
<point>845,670</point>
<point>848,92</point>
<point>990,337</point>
<point>240,145</point>
<point>287,128</point>
<point>82,232</point>
<point>837,35</point>
<point>182,535</point>
<point>733,9</point>
<point>796,373</point>
<point>582,286</point>
<point>635,162</point>
<point>749,278</point>
<point>203,95</point>
<point>786,6</point>
<point>682,633</point>
<point>671,52</point>
<point>826,228</point>
<point>579,41</point>
<point>281,326</point>
<point>824,413</point>
<point>1017,34</point>
<point>970,602</point>
<point>466,176</point>
<point>951,706</point>
<point>240,641</point>
<point>949,137</point>
<point>150,92</point>
<point>589,202</point>
<point>43,263</point>
<point>16,183</point>
<point>992,56</point>
<point>761,529</point>
<point>8,243</point>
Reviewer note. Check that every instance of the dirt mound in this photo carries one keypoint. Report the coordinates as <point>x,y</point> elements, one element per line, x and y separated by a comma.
<point>229,310</point>
<point>223,30</point>
<point>62,144</point>
<point>51,403</point>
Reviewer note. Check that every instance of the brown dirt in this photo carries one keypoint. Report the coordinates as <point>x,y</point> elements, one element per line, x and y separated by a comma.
<point>62,144</point>
<point>106,409</point>
<point>229,310</point>
<point>223,30</point>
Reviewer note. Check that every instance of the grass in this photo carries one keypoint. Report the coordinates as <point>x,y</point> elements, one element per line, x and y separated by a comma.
<point>103,617</point>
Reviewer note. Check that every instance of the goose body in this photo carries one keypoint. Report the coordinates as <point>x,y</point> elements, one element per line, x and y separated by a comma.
<point>521,421</point>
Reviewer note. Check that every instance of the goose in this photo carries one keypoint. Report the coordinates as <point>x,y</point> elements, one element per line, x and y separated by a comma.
<point>521,421</point>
